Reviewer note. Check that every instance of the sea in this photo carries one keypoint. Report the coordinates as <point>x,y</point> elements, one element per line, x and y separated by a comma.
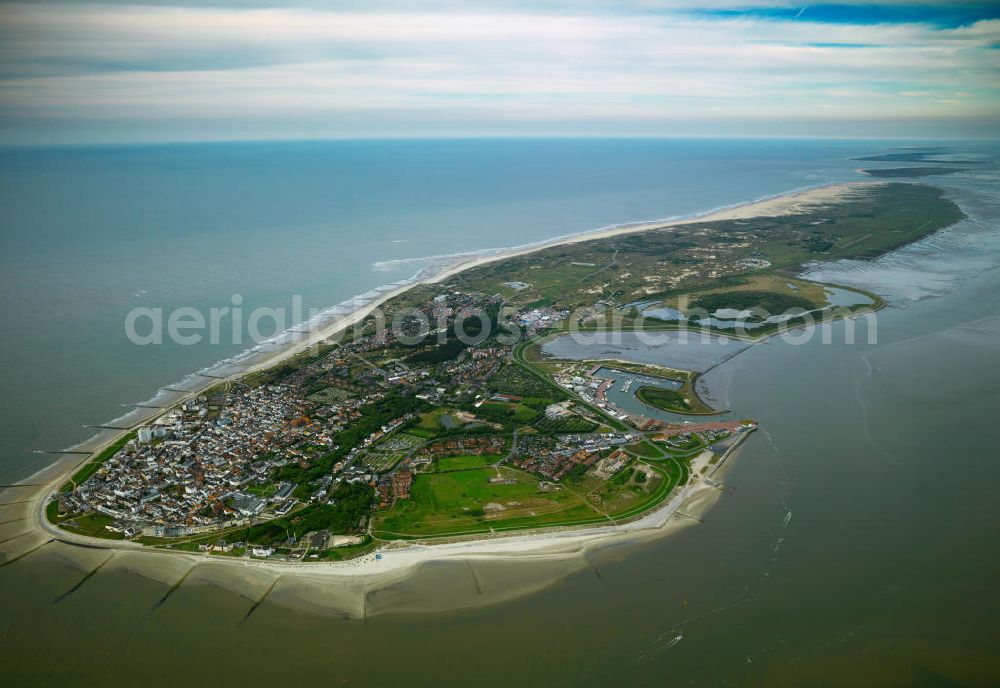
<point>853,544</point>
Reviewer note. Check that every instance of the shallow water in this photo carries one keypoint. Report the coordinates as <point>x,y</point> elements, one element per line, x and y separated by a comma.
<point>681,350</point>
<point>846,298</point>
<point>856,544</point>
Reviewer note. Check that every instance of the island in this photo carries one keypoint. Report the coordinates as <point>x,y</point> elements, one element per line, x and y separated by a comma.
<point>933,161</point>
<point>464,419</point>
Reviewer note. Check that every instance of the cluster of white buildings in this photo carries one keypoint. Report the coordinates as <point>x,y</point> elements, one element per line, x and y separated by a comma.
<point>541,318</point>
<point>191,469</point>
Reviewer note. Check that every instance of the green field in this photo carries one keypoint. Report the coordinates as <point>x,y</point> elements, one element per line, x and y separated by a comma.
<point>430,422</point>
<point>512,379</point>
<point>691,446</point>
<point>457,502</point>
<point>645,449</point>
<point>567,425</point>
<point>93,524</point>
<point>501,411</point>
<point>465,502</point>
<point>664,399</point>
<point>739,300</point>
<point>459,463</point>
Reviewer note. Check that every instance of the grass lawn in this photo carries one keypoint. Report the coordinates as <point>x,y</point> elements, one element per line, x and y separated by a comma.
<point>567,424</point>
<point>463,462</point>
<point>234,552</point>
<point>456,502</point>
<point>665,399</point>
<point>52,512</point>
<point>430,422</point>
<point>524,414</point>
<point>689,447</point>
<point>672,474</point>
<point>93,524</point>
<point>645,449</point>
<point>262,490</point>
<point>507,411</point>
<point>466,501</point>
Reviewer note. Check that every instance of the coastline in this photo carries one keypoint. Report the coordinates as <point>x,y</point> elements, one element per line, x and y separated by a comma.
<point>570,542</point>
<point>271,351</point>
<point>396,561</point>
<point>781,204</point>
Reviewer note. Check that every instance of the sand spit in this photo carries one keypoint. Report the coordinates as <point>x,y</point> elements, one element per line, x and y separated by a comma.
<point>774,206</point>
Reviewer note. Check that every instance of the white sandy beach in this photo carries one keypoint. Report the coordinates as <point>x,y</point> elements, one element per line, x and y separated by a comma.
<point>783,204</point>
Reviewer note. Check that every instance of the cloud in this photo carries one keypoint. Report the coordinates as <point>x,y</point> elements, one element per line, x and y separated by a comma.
<point>162,69</point>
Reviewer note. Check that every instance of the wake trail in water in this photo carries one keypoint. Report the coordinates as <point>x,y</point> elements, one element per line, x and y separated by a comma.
<point>670,638</point>
<point>865,427</point>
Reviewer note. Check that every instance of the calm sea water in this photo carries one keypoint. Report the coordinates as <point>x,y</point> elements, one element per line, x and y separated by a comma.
<point>857,545</point>
<point>90,233</point>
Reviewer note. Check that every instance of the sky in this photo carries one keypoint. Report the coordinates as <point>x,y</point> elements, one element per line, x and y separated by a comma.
<point>152,71</point>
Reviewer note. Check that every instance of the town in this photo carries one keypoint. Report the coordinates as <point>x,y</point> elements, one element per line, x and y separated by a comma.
<point>321,455</point>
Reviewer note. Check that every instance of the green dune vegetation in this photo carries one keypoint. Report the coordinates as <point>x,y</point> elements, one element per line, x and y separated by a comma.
<point>706,255</point>
<point>666,399</point>
<point>746,299</point>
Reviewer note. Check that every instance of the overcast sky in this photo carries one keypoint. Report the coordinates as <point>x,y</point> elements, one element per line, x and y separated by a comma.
<point>76,72</point>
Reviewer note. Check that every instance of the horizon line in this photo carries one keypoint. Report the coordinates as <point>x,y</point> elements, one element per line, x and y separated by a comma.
<point>485,137</point>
